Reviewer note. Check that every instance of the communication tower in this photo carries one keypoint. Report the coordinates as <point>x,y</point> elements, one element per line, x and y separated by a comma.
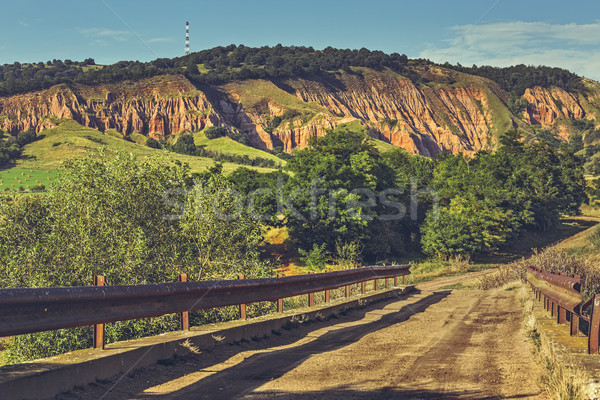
<point>187,38</point>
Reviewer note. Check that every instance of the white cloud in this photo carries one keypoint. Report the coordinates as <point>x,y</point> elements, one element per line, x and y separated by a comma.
<point>160,40</point>
<point>105,33</point>
<point>23,23</point>
<point>572,46</point>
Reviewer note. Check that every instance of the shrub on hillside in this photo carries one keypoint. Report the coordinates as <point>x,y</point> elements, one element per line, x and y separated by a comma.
<point>185,145</point>
<point>26,137</point>
<point>153,143</point>
<point>213,132</point>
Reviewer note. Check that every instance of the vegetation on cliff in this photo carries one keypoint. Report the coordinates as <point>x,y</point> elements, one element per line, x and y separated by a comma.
<point>228,63</point>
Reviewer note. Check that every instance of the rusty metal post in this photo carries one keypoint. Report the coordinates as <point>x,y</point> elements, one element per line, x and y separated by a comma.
<point>387,283</point>
<point>395,281</point>
<point>242,306</point>
<point>553,309</point>
<point>99,328</point>
<point>403,279</point>
<point>347,291</point>
<point>594,330</point>
<point>184,316</point>
<point>279,301</point>
<point>562,315</point>
<point>327,296</point>
<point>311,296</point>
<point>574,324</point>
<point>363,287</point>
<point>375,284</point>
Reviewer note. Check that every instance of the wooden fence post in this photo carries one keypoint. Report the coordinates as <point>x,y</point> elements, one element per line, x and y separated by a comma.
<point>184,316</point>
<point>99,328</point>
<point>242,306</point>
<point>594,330</point>
<point>311,295</point>
<point>279,301</point>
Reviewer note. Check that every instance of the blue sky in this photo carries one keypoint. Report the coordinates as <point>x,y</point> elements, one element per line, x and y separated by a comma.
<point>494,32</point>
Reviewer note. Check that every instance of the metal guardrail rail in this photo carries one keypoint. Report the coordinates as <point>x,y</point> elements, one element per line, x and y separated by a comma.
<point>562,298</point>
<point>28,310</point>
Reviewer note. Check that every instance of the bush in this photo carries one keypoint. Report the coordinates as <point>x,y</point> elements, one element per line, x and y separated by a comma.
<point>26,137</point>
<point>185,145</point>
<point>316,258</point>
<point>238,137</point>
<point>153,143</point>
<point>347,254</point>
<point>213,132</point>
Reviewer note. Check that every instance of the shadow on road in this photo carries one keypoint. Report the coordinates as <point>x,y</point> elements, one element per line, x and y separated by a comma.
<point>260,368</point>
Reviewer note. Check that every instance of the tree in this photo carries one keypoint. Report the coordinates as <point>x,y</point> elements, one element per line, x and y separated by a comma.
<point>185,145</point>
<point>331,189</point>
<point>465,226</point>
<point>213,132</point>
<point>26,137</point>
<point>153,143</point>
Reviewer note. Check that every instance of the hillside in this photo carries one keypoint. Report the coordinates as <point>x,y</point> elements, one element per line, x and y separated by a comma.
<point>422,107</point>
<point>70,139</point>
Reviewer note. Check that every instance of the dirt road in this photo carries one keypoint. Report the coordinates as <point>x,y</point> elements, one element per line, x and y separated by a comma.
<point>463,344</point>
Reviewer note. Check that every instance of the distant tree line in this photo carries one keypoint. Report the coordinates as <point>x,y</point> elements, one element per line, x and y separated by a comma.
<point>517,78</point>
<point>226,63</point>
<point>221,64</point>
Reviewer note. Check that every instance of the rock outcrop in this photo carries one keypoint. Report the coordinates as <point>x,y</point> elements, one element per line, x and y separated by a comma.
<point>172,106</point>
<point>463,116</point>
<point>545,106</point>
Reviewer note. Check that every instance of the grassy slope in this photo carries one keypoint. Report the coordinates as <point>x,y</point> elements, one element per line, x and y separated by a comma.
<point>254,92</point>
<point>230,146</point>
<point>70,140</point>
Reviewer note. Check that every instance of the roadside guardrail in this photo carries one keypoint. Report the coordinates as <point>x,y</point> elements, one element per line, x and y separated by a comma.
<point>562,297</point>
<point>28,310</point>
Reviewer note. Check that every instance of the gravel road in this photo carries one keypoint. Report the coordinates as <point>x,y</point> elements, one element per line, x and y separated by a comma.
<point>461,344</point>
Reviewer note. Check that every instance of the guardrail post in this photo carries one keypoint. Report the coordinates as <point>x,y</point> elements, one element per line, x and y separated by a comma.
<point>594,329</point>
<point>562,315</point>
<point>395,281</point>
<point>347,291</point>
<point>553,310</point>
<point>311,296</point>
<point>99,328</point>
<point>279,301</point>
<point>574,324</point>
<point>403,280</point>
<point>242,306</point>
<point>387,283</point>
<point>184,316</point>
<point>376,284</point>
<point>363,287</point>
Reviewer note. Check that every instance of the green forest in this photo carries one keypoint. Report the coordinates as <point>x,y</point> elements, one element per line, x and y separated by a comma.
<point>228,63</point>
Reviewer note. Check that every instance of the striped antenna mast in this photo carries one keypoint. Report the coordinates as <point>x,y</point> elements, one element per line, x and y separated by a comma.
<point>187,38</point>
